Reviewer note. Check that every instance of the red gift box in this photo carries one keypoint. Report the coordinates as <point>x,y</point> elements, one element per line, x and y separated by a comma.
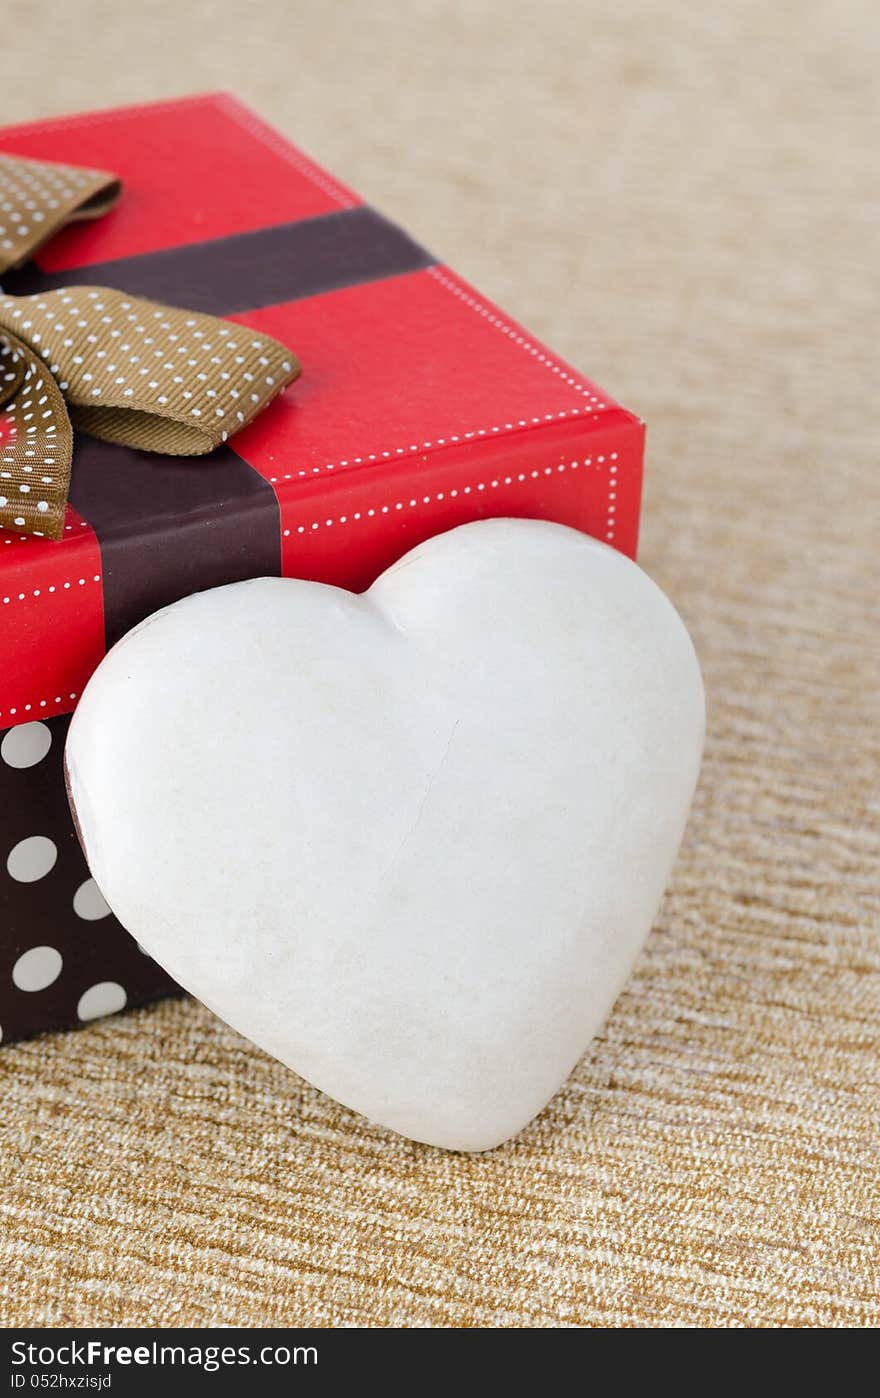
<point>421,406</point>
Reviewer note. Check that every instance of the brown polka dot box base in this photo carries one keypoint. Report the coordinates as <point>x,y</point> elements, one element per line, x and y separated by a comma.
<point>64,959</point>
<point>420,406</point>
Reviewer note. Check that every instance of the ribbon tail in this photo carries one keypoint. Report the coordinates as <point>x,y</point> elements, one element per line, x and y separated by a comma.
<point>36,443</point>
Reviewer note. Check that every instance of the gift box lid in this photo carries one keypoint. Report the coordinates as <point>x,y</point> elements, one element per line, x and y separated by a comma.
<point>420,406</point>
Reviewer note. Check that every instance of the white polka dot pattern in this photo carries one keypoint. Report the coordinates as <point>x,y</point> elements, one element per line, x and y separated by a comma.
<point>37,968</point>
<point>26,745</point>
<point>105,998</point>
<point>31,859</point>
<point>37,198</point>
<point>89,902</point>
<point>62,911</point>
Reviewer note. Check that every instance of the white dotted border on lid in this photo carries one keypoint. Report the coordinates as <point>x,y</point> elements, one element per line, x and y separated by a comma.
<point>593,406</point>
<point>104,118</point>
<point>519,478</point>
<point>254,126</point>
<point>527,346</point>
<point>249,121</point>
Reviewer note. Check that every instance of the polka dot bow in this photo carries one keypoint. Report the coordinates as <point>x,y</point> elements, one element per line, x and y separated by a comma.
<point>153,377</point>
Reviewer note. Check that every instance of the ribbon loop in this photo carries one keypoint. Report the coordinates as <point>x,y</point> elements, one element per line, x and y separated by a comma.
<point>149,376</point>
<point>38,197</point>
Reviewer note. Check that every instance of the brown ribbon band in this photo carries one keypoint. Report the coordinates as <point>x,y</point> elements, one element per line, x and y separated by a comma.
<point>128,370</point>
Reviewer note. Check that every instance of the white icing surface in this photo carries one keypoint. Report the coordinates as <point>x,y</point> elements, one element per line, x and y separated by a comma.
<point>409,842</point>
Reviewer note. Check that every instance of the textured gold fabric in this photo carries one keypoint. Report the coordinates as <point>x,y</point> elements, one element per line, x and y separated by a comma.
<point>680,198</point>
<point>37,198</point>
<point>36,443</point>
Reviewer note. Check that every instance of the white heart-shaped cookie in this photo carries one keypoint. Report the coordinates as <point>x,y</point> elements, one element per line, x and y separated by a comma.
<point>408,842</point>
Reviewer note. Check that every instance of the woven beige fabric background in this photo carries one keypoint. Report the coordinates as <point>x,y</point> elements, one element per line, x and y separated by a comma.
<point>682,200</point>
